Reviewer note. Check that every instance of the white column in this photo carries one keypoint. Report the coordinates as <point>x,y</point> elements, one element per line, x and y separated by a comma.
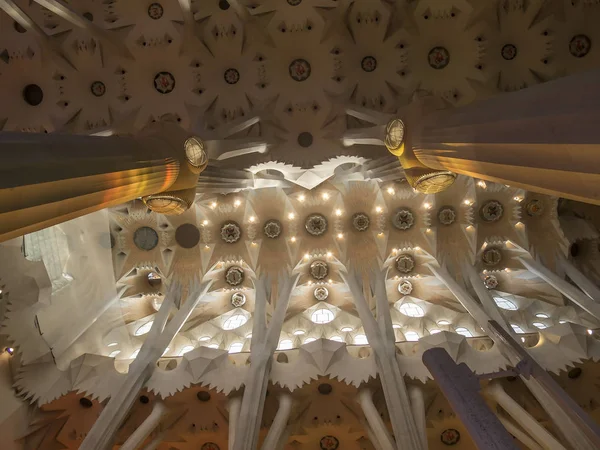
<point>488,303</point>
<point>417,404</point>
<point>562,286</point>
<point>234,404</point>
<point>519,434</point>
<point>278,427</point>
<point>584,283</point>
<point>522,417</point>
<point>148,425</point>
<point>365,399</point>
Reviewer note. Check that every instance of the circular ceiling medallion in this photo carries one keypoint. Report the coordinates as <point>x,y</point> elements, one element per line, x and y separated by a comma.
<point>361,222</point>
<point>450,436</point>
<point>203,396</point>
<point>234,276</point>
<point>394,134</point>
<point>580,45</point>
<point>368,64</point>
<point>155,11</point>
<point>305,139</point>
<point>33,94</point>
<point>294,2</point>
<point>509,52</point>
<point>447,215</point>
<point>231,232</point>
<point>231,76</point>
<point>273,228</point>
<point>534,208</point>
<point>403,219</point>
<point>145,238</point>
<point>316,224</point>
<point>491,211</point>
<point>405,263</point>
<point>325,389</point>
<point>164,82</point>
<point>329,443</point>
<point>210,446</point>
<point>194,152</point>
<point>187,235</point>
<point>238,299</point>
<point>224,5</point>
<point>300,69</point>
<point>575,373</point>
<point>98,88</point>
<point>491,256</point>
<point>405,287</point>
<point>490,282</point>
<point>438,57</point>
<point>168,204</point>
<point>85,402</point>
<point>319,270</point>
<point>321,293</point>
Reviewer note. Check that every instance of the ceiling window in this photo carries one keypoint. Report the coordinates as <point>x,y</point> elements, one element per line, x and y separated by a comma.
<point>336,339</point>
<point>411,336</point>
<point>463,332</point>
<point>184,350</point>
<point>309,340</point>
<point>285,344</point>
<point>360,339</point>
<point>505,304</point>
<point>322,315</point>
<point>144,328</point>
<point>235,321</point>
<point>540,325</point>
<point>517,328</point>
<point>411,310</point>
<point>236,347</point>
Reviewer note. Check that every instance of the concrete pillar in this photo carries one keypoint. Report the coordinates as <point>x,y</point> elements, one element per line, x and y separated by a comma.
<point>148,425</point>
<point>522,417</point>
<point>461,387</point>
<point>544,138</point>
<point>417,404</point>
<point>584,283</point>
<point>562,286</point>
<point>519,434</point>
<point>365,399</point>
<point>234,404</point>
<point>278,427</point>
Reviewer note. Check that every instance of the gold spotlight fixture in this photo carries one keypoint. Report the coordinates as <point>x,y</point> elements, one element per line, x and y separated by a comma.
<point>420,177</point>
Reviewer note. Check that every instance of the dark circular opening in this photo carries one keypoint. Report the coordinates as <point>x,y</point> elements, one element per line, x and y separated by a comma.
<point>145,238</point>
<point>187,235</point>
<point>89,16</point>
<point>144,399</point>
<point>85,402</point>
<point>575,373</point>
<point>19,28</point>
<point>282,358</point>
<point>33,94</point>
<point>511,378</point>
<point>305,139</point>
<point>325,388</point>
<point>203,396</point>
<point>574,250</point>
<point>224,5</point>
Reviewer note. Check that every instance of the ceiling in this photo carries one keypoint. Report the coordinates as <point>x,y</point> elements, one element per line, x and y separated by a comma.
<point>75,298</point>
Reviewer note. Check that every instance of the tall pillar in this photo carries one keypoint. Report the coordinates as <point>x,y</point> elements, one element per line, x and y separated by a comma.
<point>278,427</point>
<point>544,138</point>
<point>518,433</point>
<point>522,417</point>
<point>104,430</point>
<point>234,404</point>
<point>562,286</point>
<point>461,387</point>
<point>148,425</point>
<point>584,283</point>
<point>564,412</point>
<point>417,403</point>
<point>46,179</point>
<point>365,399</point>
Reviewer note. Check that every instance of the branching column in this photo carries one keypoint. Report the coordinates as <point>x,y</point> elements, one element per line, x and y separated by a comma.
<point>544,138</point>
<point>278,427</point>
<point>263,345</point>
<point>381,337</point>
<point>564,412</point>
<point>147,426</point>
<point>104,430</point>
